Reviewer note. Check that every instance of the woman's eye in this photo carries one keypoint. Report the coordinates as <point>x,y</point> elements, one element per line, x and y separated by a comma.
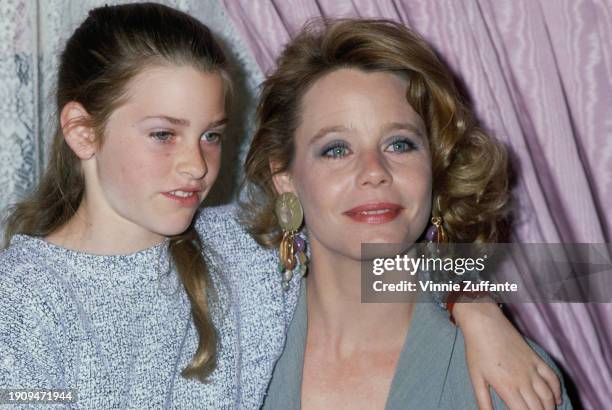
<point>211,137</point>
<point>163,136</point>
<point>335,151</point>
<point>402,145</point>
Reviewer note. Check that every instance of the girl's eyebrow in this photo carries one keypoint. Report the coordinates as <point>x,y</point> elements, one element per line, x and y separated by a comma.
<point>218,123</point>
<point>171,120</point>
<point>181,121</point>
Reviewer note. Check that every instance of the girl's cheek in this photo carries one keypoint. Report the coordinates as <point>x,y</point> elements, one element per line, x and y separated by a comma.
<point>134,171</point>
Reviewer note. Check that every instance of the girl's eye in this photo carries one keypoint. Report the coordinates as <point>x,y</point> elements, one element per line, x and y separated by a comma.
<point>337,150</point>
<point>402,145</point>
<point>211,137</point>
<point>162,136</point>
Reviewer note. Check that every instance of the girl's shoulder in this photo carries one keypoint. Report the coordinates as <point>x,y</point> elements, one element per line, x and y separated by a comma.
<point>227,242</point>
<point>24,265</point>
<point>221,224</point>
<point>31,291</point>
<point>263,308</point>
<point>33,301</point>
<point>234,253</point>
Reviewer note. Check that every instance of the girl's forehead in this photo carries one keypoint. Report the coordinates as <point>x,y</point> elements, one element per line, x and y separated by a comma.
<point>178,92</point>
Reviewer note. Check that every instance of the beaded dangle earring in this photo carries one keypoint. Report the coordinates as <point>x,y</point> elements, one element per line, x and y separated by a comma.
<point>292,248</point>
<point>436,233</point>
<point>434,237</point>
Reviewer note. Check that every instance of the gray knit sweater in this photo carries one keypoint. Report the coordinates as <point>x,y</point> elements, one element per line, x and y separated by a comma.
<point>118,329</point>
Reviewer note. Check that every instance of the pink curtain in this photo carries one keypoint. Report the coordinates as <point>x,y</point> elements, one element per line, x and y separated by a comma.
<point>540,75</point>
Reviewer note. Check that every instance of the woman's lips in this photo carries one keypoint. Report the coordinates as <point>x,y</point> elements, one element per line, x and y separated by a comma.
<point>378,213</point>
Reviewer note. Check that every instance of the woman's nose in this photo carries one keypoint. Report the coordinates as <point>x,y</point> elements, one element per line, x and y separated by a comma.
<point>373,170</point>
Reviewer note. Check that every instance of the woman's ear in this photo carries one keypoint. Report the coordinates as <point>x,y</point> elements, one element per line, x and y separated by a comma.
<point>78,135</point>
<point>282,180</point>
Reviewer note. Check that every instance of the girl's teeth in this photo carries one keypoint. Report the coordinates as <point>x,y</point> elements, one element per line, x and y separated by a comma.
<point>182,194</point>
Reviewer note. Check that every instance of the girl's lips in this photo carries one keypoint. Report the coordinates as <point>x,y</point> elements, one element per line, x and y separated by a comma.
<point>188,201</point>
<point>378,213</point>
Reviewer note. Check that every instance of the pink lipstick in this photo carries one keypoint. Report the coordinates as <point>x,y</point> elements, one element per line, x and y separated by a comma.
<point>377,213</point>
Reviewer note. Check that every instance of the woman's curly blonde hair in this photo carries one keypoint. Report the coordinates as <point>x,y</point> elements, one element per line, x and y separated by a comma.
<point>470,178</point>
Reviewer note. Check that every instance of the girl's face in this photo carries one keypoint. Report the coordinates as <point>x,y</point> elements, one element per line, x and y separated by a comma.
<point>161,151</point>
<point>362,166</point>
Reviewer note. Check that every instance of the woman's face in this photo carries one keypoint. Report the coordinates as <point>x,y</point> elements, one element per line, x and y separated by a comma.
<point>161,151</point>
<point>362,166</point>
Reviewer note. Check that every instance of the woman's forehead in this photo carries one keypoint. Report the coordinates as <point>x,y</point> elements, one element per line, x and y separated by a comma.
<point>350,99</point>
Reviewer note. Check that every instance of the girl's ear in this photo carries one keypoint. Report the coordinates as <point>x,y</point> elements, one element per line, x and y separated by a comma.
<point>79,136</point>
<point>282,180</point>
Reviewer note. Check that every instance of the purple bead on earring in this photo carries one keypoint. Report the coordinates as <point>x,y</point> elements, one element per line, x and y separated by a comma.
<point>431,234</point>
<point>299,243</point>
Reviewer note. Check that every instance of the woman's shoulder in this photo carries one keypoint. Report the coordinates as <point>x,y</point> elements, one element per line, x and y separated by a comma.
<point>459,369</point>
<point>433,368</point>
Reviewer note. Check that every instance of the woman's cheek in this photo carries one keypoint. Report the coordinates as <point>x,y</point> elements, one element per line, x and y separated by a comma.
<point>315,189</point>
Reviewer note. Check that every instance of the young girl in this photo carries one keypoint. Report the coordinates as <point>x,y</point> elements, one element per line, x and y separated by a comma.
<point>90,300</point>
<point>106,288</point>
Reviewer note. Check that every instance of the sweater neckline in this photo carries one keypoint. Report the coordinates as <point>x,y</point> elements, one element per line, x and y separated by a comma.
<point>154,259</point>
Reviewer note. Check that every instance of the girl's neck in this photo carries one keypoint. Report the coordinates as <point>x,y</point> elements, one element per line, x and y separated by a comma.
<point>336,315</point>
<point>90,232</point>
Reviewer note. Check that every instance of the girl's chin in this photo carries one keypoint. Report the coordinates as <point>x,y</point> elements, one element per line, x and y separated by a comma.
<point>174,229</point>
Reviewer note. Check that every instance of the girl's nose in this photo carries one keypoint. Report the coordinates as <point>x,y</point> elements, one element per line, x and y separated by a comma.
<point>193,164</point>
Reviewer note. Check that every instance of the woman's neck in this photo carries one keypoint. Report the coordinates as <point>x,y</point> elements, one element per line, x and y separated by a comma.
<point>336,315</point>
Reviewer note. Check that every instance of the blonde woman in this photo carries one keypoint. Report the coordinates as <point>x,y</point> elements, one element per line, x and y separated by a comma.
<point>362,124</point>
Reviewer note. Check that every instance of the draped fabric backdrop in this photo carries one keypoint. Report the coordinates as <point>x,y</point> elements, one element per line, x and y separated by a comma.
<point>539,74</point>
<point>540,77</point>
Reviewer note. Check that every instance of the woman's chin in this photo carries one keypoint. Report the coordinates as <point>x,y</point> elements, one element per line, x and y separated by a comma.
<point>393,238</point>
<point>369,247</point>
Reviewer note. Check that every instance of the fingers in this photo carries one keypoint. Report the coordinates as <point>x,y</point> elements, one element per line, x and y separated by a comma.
<point>483,397</point>
<point>551,378</point>
<point>513,399</point>
<point>532,399</point>
<point>544,392</point>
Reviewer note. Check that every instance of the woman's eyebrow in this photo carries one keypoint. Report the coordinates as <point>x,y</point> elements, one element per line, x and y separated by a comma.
<point>405,126</point>
<point>326,130</point>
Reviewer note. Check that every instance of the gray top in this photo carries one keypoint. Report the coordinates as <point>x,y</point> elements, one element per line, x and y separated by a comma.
<point>118,329</point>
<point>431,372</point>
